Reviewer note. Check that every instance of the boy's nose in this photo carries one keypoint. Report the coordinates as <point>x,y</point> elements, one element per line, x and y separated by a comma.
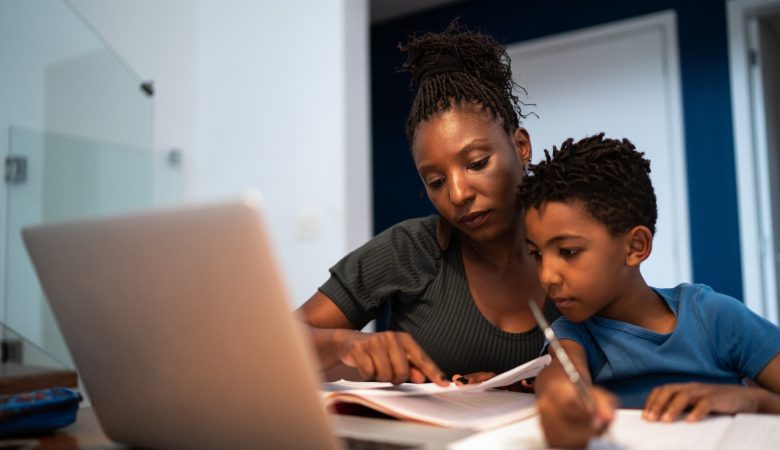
<point>548,276</point>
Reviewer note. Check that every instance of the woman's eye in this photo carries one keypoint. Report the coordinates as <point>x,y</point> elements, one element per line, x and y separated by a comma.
<point>477,165</point>
<point>569,252</point>
<point>536,254</point>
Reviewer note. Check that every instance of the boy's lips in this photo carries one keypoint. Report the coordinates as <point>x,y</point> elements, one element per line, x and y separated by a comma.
<point>564,303</point>
<point>475,219</point>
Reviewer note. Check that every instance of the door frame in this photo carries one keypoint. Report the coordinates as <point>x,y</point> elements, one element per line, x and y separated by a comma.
<point>759,284</point>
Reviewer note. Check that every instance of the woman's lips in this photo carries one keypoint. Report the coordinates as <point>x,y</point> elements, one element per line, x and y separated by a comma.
<point>475,220</point>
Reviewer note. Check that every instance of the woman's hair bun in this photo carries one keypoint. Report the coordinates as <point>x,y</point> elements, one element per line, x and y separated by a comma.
<point>457,49</point>
<point>459,66</point>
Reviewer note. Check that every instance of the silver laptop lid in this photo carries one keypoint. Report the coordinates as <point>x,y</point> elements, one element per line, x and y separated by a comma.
<point>180,326</point>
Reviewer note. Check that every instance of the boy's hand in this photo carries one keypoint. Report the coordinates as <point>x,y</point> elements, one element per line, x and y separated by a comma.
<point>666,403</point>
<point>566,420</point>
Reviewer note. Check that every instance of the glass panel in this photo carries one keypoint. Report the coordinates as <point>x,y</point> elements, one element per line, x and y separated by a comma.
<point>58,75</point>
<point>69,178</point>
<point>76,132</point>
<point>78,129</point>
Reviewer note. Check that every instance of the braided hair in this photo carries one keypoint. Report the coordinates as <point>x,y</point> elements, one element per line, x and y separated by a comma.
<point>609,176</point>
<point>459,66</point>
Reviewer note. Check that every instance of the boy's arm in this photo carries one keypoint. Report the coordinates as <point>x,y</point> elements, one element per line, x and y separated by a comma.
<point>566,420</point>
<point>666,403</point>
<point>769,379</point>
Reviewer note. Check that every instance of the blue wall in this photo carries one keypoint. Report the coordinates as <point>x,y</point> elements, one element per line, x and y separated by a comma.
<point>703,49</point>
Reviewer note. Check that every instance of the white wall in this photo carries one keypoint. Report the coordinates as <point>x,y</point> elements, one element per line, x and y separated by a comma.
<point>264,95</point>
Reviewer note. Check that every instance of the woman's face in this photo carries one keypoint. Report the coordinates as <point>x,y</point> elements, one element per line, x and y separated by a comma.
<point>471,169</point>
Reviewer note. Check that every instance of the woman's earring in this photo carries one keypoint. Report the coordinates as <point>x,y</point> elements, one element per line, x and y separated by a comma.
<point>527,168</point>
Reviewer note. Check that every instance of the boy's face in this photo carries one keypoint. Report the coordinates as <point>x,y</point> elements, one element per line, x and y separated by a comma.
<point>580,264</point>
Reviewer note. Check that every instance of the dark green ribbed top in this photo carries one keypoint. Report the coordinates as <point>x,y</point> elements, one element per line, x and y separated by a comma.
<point>429,299</point>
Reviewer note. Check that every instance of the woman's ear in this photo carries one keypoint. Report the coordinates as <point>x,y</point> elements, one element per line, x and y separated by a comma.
<point>640,245</point>
<point>522,143</point>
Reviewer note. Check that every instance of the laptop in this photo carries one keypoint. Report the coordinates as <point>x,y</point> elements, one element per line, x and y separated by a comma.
<point>181,328</point>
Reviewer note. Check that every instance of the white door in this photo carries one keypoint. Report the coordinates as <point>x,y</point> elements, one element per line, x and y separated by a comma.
<point>622,79</point>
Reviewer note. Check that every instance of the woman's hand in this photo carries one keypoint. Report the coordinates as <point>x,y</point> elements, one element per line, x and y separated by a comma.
<point>666,403</point>
<point>389,356</point>
<point>526,386</point>
<point>472,378</point>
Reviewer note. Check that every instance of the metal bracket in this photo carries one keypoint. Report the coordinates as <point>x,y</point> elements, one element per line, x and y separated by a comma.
<point>174,157</point>
<point>11,351</point>
<point>148,88</point>
<point>15,169</point>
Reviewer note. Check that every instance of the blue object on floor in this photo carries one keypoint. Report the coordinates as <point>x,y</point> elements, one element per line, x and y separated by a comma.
<point>38,411</point>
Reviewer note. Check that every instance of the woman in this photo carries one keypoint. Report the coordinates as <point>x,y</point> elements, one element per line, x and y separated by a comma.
<point>458,283</point>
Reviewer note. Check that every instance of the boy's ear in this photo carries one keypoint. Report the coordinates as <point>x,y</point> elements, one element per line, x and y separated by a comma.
<point>522,142</point>
<point>640,244</point>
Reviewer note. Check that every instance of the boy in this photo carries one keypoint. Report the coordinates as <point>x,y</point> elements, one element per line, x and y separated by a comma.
<point>590,214</point>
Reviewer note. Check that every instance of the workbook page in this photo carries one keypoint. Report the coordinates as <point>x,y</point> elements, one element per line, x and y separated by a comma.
<point>629,431</point>
<point>752,431</point>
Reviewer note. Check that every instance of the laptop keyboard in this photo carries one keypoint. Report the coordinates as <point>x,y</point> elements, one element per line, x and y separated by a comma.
<point>351,443</point>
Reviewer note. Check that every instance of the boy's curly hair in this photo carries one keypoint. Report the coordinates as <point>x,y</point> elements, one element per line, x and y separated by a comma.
<point>609,176</point>
<point>457,66</point>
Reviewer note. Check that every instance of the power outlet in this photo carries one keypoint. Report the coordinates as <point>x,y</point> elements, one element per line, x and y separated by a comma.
<point>309,224</point>
<point>11,351</point>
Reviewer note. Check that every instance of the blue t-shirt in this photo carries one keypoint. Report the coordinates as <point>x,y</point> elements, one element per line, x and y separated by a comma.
<point>717,339</point>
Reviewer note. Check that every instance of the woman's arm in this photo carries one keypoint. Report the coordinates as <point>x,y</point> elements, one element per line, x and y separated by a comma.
<point>328,325</point>
<point>386,356</point>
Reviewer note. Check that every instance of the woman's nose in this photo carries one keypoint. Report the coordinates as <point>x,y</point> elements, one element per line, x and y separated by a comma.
<point>460,190</point>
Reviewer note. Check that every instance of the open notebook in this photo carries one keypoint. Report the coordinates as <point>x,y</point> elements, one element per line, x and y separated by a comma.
<point>477,407</point>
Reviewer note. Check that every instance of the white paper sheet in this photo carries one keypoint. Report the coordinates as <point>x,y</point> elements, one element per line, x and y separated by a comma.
<point>629,431</point>
<point>754,431</point>
<point>522,372</point>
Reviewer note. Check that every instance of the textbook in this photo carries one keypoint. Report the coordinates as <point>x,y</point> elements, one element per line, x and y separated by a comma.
<point>478,407</point>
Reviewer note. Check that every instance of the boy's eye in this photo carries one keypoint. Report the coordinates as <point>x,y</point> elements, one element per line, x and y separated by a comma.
<point>569,252</point>
<point>435,184</point>
<point>477,165</point>
<point>536,254</point>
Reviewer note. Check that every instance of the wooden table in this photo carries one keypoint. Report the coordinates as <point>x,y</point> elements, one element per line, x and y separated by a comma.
<point>86,433</point>
<point>16,377</point>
